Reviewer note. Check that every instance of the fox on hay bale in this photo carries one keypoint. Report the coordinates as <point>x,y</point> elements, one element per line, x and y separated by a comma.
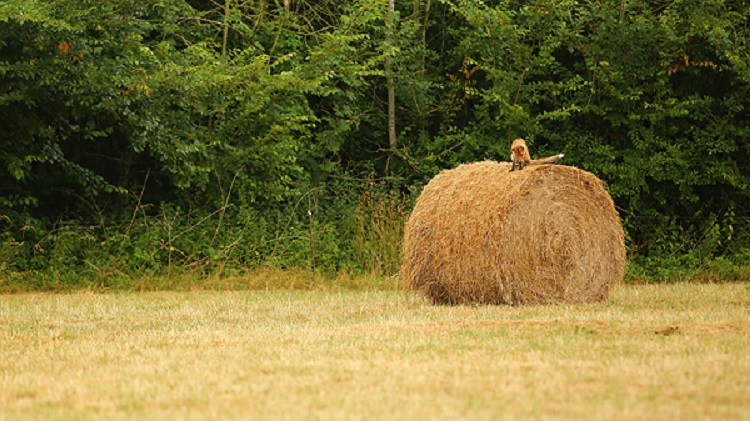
<point>484,234</point>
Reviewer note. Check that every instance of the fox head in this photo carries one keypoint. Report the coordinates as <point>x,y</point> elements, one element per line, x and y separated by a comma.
<point>519,148</point>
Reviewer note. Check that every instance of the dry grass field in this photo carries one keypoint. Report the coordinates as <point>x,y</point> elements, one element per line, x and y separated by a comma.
<point>679,351</point>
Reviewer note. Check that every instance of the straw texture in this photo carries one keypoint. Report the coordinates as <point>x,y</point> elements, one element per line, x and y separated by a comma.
<point>481,234</point>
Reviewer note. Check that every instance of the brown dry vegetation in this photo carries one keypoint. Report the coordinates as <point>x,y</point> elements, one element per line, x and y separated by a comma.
<point>481,234</point>
<point>652,352</point>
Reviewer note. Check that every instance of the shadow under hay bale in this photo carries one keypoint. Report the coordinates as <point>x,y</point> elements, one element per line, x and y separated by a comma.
<point>481,234</point>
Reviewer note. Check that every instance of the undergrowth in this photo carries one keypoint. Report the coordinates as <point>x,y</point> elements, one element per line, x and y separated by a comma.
<point>322,238</point>
<point>337,237</point>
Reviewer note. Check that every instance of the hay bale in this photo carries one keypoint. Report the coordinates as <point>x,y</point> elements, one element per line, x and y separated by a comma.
<point>482,234</point>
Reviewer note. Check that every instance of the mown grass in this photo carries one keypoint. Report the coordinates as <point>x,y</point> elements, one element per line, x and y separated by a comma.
<point>678,351</point>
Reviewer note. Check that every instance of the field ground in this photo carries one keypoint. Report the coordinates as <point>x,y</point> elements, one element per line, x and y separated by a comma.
<point>676,351</point>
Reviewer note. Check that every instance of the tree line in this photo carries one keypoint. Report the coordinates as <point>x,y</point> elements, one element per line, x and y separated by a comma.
<point>144,136</point>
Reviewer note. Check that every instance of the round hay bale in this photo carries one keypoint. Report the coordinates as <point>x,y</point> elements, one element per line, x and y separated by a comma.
<point>481,234</point>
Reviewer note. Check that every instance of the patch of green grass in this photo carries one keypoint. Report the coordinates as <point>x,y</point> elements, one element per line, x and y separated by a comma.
<point>676,351</point>
<point>263,278</point>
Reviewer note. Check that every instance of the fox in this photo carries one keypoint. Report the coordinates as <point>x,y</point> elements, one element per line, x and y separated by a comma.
<point>519,154</point>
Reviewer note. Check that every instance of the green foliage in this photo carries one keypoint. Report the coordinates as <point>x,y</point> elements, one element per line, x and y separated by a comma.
<point>155,137</point>
<point>323,231</point>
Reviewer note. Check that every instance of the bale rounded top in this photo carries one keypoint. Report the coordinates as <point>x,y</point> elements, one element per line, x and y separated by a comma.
<point>482,234</point>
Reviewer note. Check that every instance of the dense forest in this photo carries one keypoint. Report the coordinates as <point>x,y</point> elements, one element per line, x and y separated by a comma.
<point>146,137</point>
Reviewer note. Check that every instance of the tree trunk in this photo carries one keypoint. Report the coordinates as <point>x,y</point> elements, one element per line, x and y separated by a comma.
<point>226,30</point>
<point>424,31</point>
<point>389,74</point>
